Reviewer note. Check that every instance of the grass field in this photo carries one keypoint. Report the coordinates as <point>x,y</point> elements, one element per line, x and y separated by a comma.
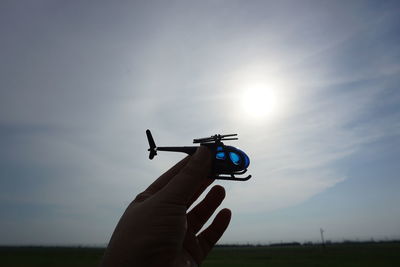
<point>363,254</point>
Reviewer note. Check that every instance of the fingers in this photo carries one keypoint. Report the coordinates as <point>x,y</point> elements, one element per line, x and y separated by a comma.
<point>199,215</point>
<point>162,180</point>
<point>212,234</point>
<point>187,182</point>
<point>206,183</point>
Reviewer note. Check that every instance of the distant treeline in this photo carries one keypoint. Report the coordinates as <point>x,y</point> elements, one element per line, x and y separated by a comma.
<point>309,243</point>
<point>281,244</point>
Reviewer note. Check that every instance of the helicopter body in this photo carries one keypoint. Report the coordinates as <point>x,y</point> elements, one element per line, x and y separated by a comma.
<point>228,161</point>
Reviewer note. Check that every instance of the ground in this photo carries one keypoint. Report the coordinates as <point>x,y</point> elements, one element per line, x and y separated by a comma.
<point>344,254</point>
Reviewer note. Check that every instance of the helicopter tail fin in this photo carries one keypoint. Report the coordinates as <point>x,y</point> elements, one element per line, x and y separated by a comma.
<point>153,148</point>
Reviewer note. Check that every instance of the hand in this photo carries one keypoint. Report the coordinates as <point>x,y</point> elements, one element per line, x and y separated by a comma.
<point>156,229</point>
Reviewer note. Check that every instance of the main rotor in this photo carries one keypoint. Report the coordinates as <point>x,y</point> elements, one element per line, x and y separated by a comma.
<point>215,138</point>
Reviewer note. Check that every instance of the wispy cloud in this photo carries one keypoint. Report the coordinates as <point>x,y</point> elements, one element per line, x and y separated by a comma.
<point>79,89</point>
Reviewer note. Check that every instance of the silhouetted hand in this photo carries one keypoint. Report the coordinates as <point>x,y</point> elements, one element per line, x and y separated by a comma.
<point>156,229</point>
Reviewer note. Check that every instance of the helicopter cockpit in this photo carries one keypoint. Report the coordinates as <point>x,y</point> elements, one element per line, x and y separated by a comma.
<point>236,156</point>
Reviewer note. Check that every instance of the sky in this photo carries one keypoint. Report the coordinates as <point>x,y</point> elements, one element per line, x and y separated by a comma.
<point>310,87</point>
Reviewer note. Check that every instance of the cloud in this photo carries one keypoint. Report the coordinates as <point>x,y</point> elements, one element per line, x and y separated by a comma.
<point>78,90</point>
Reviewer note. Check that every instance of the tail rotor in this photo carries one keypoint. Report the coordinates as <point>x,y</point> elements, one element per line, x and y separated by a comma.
<point>152,144</point>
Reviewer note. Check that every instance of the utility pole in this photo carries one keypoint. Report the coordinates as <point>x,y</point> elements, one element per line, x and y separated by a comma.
<point>322,236</point>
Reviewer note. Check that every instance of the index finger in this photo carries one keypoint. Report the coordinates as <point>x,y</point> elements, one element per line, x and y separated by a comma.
<point>186,183</point>
<point>162,180</point>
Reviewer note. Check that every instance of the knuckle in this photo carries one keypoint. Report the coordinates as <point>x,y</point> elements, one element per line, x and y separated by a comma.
<point>141,197</point>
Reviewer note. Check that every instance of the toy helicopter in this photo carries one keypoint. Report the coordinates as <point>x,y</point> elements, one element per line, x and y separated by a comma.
<point>228,160</point>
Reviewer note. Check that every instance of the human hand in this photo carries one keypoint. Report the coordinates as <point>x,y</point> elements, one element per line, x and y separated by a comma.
<point>156,229</point>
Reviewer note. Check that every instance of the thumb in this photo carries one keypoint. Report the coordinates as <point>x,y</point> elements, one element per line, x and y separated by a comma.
<point>186,183</point>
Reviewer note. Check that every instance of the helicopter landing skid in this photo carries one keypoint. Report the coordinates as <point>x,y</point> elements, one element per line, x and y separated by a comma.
<point>232,177</point>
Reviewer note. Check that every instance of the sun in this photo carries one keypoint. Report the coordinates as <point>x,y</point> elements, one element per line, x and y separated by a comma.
<point>258,101</point>
<point>261,94</point>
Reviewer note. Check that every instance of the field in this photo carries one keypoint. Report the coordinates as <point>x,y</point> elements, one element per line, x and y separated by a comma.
<point>358,254</point>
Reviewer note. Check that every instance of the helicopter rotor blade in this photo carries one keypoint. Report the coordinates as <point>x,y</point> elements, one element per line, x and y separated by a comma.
<point>227,135</point>
<point>230,139</point>
<point>203,140</point>
<point>215,138</point>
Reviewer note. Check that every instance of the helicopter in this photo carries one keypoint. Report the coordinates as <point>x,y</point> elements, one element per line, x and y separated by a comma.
<point>228,160</point>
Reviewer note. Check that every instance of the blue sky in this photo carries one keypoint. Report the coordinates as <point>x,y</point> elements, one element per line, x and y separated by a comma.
<point>80,82</point>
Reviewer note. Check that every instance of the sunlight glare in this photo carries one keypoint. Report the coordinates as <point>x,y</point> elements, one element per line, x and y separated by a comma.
<point>258,101</point>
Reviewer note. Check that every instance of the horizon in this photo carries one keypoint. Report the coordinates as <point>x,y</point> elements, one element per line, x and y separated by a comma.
<point>287,243</point>
<point>310,87</point>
